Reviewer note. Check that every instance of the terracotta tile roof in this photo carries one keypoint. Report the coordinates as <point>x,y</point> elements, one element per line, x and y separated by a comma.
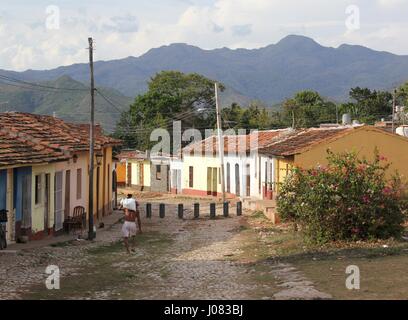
<point>298,140</point>
<point>15,150</point>
<point>132,154</point>
<point>54,132</point>
<point>41,134</point>
<point>235,143</point>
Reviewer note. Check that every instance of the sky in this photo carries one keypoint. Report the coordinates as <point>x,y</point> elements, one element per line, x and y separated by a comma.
<point>45,34</point>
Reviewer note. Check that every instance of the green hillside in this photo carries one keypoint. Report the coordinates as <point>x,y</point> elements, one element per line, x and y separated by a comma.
<point>70,105</point>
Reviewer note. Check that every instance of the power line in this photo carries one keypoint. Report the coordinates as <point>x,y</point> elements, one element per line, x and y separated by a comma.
<point>14,80</point>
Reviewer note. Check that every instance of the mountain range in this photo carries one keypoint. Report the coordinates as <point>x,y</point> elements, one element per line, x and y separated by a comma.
<point>269,74</point>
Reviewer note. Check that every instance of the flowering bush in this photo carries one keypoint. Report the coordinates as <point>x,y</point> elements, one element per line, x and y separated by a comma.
<point>350,199</point>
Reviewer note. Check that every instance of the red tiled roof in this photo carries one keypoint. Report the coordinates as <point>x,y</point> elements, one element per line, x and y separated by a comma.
<point>132,154</point>
<point>235,143</point>
<point>48,134</point>
<point>17,150</point>
<point>53,131</point>
<point>299,140</point>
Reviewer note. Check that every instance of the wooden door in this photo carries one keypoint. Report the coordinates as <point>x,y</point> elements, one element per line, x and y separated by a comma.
<point>129,174</point>
<point>98,170</point>
<point>214,181</point>
<point>67,194</point>
<point>141,174</point>
<point>248,180</point>
<point>209,181</point>
<point>58,212</point>
<point>47,203</point>
<point>237,181</point>
<point>178,181</point>
<point>26,202</point>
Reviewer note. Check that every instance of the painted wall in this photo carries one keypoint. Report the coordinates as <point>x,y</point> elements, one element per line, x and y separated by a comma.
<point>282,169</point>
<point>363,141</point>
<point>3,189</point>
<point>162,184</point>
<point>256,172</point>
<point>135,179</point>
<point>146,173</point>
<point>38,210</point>
<point>121,173</point>
<point>19,173</point>
<point>200,165</point>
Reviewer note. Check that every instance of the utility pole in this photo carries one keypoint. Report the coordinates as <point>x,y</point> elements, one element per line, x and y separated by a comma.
<point>91,233</point>
<point>394,103</point>
<point>220,140</point>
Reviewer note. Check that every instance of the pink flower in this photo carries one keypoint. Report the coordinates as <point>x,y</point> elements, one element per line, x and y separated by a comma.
<point>355,230</point>
<point>382,158</point>
<point>387,191</point>
<point>366,199</point>
<point>362,167</point>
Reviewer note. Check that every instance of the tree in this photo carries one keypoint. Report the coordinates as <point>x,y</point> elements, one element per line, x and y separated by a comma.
<point>308,109</point>
<point>171,96</point>
<point>350,199</point>
<point>367,105</point>
<point>254,117</point>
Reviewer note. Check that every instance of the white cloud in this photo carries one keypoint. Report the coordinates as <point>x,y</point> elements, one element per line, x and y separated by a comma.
<point>133,27</point>
<point>391,3</point>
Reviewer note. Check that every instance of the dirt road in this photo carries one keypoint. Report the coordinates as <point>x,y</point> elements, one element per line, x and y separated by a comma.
<point>175,259</point>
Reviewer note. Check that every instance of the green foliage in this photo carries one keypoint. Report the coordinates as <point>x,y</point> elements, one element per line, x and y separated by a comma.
<point>254,117</point>
<point>350,199</point>
<point>307,109</point>
<point>368,105</point>
<point>171,96</point>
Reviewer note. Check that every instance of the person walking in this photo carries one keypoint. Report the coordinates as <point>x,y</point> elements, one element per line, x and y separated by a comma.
<point>129,229</point>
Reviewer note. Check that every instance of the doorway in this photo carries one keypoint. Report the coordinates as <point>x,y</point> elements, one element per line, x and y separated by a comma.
<point>141,175</point>
<point>212,181</point>
<point>59,211</point>
<point>67,193</point>
<point>237,181</point>
<point>248,180</point>
<point>47,204</point>
<point>26,205</point>
<point>98,170</point>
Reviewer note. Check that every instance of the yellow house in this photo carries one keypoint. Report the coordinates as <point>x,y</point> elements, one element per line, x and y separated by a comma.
<point>308,148</point>
<point>46,175</point>
<point>134,167</point>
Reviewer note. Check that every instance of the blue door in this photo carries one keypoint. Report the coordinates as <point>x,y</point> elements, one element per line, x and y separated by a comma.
<point>3,189</point>
<point>22,200</point>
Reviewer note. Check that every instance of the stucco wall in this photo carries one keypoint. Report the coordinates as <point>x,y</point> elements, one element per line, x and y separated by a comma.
<point>200,165</point>
<point>363,141</point>
<point>38,210</point>
<point>162,184</point>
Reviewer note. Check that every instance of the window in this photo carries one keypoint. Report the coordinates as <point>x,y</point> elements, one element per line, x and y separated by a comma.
<point>228,177</point>
<point>158,172</point>
<point>237,181</point>
<point>79,184</point>
<point>37,189</point>
<point>266,172</point>
<point>190,177</point>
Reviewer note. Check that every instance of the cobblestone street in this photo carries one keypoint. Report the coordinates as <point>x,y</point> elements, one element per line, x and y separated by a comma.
<point>174,259</point>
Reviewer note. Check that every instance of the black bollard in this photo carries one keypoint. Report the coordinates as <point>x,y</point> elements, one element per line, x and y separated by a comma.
<point>239,208</point>
<point>180,211</point>
<point>148,210</point>
<point>162,210</point>
<point>196,210</point>
<point>226,209</point>
<point>212,210</point>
